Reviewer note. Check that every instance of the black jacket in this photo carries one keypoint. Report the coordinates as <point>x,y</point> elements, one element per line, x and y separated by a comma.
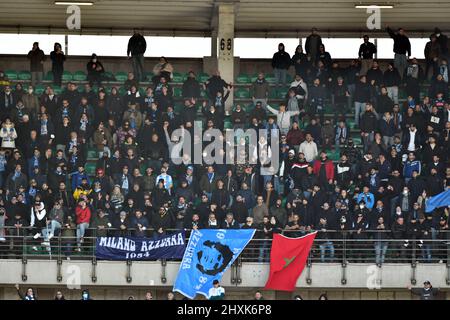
<point>367,50</point>
<point>191,88</point>
<point>391,78</point>
<point>281,60</point>
<point>369,122</point>
<point>362,92</point>
<point>401,43</point>
<point>36,57</point>
<point>136,45</point>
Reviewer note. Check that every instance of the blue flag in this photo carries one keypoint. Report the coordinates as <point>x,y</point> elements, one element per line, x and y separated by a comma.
<point>440,200</point>
<point>170,246</point>
<point>209,253</point>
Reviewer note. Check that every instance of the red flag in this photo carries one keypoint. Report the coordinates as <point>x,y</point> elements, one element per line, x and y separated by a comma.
<point>287,260</point>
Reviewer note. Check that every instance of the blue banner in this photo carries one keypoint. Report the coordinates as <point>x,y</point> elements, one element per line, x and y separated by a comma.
<point>131,248</point>
<point>209,253</point>
<point>440,200</point>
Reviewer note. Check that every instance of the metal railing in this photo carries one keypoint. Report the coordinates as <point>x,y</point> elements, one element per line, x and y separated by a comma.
<point>330,246</point>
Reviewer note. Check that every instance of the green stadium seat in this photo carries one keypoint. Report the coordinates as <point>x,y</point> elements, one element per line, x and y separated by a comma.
<point>243,78</point>
<point>57,90</point>
<point>351,123</point>
<point>122,91</point>
<point>39,89</point>
<point>67,76</point>
<point>289,78</point>
<point>178,108</point>
<point>121,76</point>
<point>177,77</point>
<point>333,155</point>
<point>253,78</point>
<point>249,108</point>
<point>357,140</point>
<point>177,92</point>
<point>48,76</point>
<point>228,125</point>
<point>203,77</point>
<point>149,76</point>
<point>273,93</point>
<point>109,76</point>
<point>242,93</point>
<point>282,93</point>
<point>270,78</point>
<point>92,154</point>
<point>24,75</point>
<point>11,74</point>
<point>90,168</point>
<point>79,76</point>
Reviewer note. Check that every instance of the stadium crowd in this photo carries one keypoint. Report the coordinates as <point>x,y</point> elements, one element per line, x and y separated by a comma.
<point>46,142</point>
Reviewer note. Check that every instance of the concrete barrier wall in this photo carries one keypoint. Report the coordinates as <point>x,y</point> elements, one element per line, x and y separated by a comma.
<point>363,281</point>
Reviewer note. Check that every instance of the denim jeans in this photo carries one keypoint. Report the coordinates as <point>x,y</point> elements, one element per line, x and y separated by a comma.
<point>401,63</point>
<point>380,251</point>
<point>36,77</point>
<point>360,107</point>
<point>367,141</point>
<point>280,76</point>
<point>388,141</point>
<point>393,93</point>
<point>426,252</point>
<point>323,248</point>
<point>263,251</point>
<point>138,66</point>
<point>81,229</point>
<point>351,90</point>
<point>54,225</point>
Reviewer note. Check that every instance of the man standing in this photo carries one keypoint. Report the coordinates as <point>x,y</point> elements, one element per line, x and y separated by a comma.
<point>216,292</point>
<point>402,49</point>
<point>37,58</point>
<point>260,90</point>
<point>442,39</point>
<point>312,44</point>
<point>366,52</point>
<point>136,48</point>
<point>426,293</point>
<point>281,62</point>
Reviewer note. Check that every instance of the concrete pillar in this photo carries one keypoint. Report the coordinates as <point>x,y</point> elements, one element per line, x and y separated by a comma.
<point>225,46</point>
<point>214,44</point>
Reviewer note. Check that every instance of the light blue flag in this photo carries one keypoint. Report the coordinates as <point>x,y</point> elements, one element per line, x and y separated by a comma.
<point>440,200</point>
<point>209,253</point>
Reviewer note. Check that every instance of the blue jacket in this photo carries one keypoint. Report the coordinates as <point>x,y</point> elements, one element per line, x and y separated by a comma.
<point>410,166</point>
<point>387,128</point>
<point>369,199</point>
<point>77,177</point>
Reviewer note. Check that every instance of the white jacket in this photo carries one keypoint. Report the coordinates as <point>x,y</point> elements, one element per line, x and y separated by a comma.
<point>283,118</point>
<point>8,135</point>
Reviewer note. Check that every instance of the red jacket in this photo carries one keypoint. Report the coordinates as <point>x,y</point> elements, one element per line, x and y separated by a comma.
<point>329,168</point>
<point>83,215</point>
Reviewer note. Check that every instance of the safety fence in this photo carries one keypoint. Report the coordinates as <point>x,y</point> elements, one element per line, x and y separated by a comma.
<point>329,246</point>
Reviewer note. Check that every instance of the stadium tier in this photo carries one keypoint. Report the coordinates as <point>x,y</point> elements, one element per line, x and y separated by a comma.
<point>297,176</point>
